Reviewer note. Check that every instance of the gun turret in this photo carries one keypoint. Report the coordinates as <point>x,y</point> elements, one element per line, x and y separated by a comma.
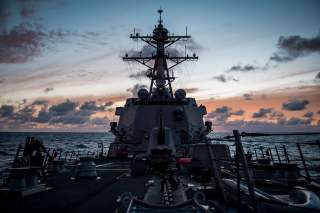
<point>161,148</point>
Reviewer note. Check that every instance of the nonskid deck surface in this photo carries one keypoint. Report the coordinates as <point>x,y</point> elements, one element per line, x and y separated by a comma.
<point>66,194</point>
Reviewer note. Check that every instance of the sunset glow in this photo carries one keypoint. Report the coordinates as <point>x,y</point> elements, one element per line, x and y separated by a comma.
<point>61,66</point>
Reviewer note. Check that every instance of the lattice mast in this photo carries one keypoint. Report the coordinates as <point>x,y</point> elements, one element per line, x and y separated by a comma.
<point>159,74</point>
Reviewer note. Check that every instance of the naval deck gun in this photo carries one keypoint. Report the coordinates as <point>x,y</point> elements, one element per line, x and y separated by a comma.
<point>139,118</point>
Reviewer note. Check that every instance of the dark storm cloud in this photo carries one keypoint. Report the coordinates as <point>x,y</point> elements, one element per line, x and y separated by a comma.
<point>262,113</point>
<point>247,96</point>
<point>40,102</point>
<point>139,75</point>
<point>292,47</point>
<point>48,89</point>
<point>295,104</point>
<point>63,108</point>
<point>134,90</point>
<point>224,78</point>
<point>308,114</point>
<point>6,110</point>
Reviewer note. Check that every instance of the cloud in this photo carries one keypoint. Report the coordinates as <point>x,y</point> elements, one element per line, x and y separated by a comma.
<point>109,103</point>
<point>6,110</point>
<point>220,115</point>
<point>43,117</point>
<point>27,12</point>
<point>63,108</point>
<point>295,121</point>
<point>223,78</point>
<point>318,76</point>
<point>238,113</point>
<point>146,50</point>
<point>276,115</point>
<point>26,41</point>
<point>223,109</point>
<point>177,50</point>
<point>262,113</point>
<point>40,102</point>
<point>4,12</point>
<point>292,47</point>
<point>20,44</point>
<point>245,68</point>
<point>139,75</point>
<point>24,115</point>
<point>191,90</point>
<point>191,45</point>
<point>134,90</point>
<point>71,118</point>
<point>247,96</point>
<point>67,114</point>
<point>104,121</point>
<point>289,48</point>
<point>265,126</point>
<point>91,106</point>
<point>295,104</point>
<point>48,89</point>
<point>308,114</point>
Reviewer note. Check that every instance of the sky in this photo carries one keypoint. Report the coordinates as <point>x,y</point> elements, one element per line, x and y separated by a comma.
<point>61,66</point>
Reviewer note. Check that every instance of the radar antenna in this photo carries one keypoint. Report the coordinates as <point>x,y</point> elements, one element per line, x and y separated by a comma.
<point>159,74</point>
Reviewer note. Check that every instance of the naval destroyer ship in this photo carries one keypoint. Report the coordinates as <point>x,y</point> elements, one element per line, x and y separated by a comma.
<point>161,159</point>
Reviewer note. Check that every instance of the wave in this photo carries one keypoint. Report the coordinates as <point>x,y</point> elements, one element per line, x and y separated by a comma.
<point>5,153</point>
<point>81,146</point>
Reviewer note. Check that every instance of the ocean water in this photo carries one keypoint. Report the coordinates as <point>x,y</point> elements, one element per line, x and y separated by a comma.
<point>89,142</point>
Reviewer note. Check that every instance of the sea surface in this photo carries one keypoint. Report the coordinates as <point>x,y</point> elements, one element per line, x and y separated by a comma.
<point>89,143</point>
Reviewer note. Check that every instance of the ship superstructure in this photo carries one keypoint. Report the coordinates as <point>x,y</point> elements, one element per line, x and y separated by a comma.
<point>180,118</point>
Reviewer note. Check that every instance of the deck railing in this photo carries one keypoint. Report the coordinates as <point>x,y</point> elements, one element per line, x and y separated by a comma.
<point>305,154</point>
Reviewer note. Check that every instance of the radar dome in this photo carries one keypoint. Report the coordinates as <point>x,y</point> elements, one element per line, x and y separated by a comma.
<point>180,94</point>
<point>143,94</point>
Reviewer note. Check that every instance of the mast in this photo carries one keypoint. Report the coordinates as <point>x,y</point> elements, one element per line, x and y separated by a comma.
<point>160,40</point>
